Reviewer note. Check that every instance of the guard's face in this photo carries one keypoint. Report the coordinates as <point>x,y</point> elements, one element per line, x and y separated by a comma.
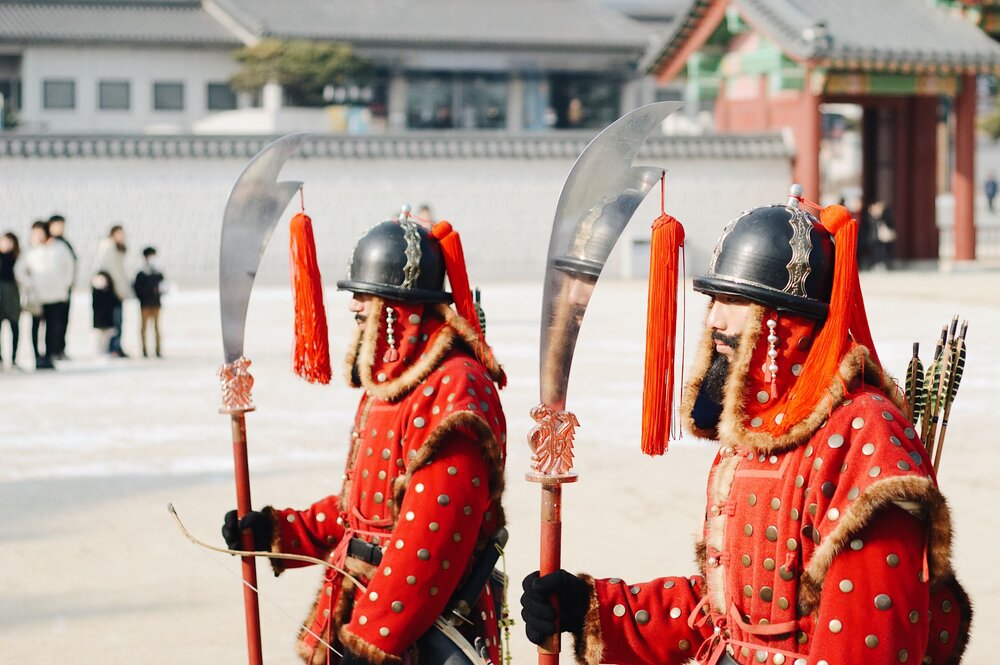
<point>727,318</point>
<point>360,305</point>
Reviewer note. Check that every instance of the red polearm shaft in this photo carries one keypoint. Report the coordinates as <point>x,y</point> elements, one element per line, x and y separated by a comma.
<point>551,442</point>
<point>250,606</point>
<point>550,555</point>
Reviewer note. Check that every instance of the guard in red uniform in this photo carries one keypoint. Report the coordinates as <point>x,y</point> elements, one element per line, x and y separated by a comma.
<point>826,540</point>
<point>418,517</point>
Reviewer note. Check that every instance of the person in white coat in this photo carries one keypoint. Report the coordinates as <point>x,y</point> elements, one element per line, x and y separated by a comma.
<point>111,259</point>
<point>46,273</point>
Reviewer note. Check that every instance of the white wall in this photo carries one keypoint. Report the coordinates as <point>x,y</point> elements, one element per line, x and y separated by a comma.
<point>196,68</point>
<point>502,206</point>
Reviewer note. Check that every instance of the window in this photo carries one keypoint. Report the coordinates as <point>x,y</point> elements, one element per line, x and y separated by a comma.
<point>584,101</point>
<point>221,97</point>
<point>463,101</point>
<point>58,94</point>
<point>11,91</point>
<point>168,96</point>
<point>114,95</point>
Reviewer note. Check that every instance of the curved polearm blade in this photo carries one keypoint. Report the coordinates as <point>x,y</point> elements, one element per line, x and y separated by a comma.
<point>601,193</point>
<point>255,203</point>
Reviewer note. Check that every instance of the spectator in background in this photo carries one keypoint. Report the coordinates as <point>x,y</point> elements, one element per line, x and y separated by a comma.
<point>10,295</point>
<point>148,288</point>
<point>425,217</point>
<point>885,234</point>
<point>990,189</point>
<point>869,252</point>
<point>29,301</point>
<point>57,225</point>
<point>105,302</point>
<point>111,260</point>
<point>47,272</point>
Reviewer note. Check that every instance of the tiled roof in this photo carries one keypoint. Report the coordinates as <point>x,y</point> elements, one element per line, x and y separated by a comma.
<point>868,35</point>
<point>171,22</point>
<point>659,10</point>
<point>444,23</point>
<point>431,145</point>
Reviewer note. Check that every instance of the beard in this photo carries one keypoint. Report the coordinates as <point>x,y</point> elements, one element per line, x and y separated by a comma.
<point>711,395</point>
<point>714,384</point>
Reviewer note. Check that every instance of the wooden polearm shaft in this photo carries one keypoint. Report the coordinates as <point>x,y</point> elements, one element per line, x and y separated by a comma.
<point>249,563</point>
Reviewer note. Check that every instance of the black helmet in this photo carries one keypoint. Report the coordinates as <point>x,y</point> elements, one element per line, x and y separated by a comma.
<point>398,260</point>
<point>778,256</point>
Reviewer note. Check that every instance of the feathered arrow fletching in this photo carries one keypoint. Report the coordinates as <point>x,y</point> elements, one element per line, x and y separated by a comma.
<point>932,385</point>
<point>957,368</point>
<point>915,385</point>
<point>958,365</point>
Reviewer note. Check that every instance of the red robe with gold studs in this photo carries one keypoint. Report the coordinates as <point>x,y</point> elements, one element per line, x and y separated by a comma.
<point>424,478</point>
<point>828,545</point>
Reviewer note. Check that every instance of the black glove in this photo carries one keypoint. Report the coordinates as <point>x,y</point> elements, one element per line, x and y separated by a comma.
<point>257,522</point>
<point>573,595</point>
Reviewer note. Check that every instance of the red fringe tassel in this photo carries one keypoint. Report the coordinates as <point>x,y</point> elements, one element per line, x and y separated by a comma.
<point>846,320</point>
<point>458,278</point>
<point>661,334</point>
<point>311,359</point>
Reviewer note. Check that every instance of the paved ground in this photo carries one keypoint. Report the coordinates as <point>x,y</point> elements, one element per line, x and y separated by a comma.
<point>94,572</point>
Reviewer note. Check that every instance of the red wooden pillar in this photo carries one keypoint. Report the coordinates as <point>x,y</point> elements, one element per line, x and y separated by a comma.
<point>807,141</point>
<point>924,182</point>
<point>963,181</point>
<point>722,108</point>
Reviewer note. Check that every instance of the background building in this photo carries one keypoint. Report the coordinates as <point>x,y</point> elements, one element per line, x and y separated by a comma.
<point>910,67</point>
<point>161,66</point>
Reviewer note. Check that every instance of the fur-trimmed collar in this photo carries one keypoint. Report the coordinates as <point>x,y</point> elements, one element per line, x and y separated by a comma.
<point>748,403</point>
<point>424,334</point>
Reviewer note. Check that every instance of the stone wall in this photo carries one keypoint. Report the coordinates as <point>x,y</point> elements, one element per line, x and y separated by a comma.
<point>499,191</point>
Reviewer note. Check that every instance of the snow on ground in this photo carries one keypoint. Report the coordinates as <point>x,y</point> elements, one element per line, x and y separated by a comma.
<point>93,570</point>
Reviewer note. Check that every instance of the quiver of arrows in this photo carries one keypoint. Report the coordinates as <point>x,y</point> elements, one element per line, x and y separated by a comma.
<point>931,393</point>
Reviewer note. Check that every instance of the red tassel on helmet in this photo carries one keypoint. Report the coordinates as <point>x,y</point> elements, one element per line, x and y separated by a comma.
<point>458,278</point>
<point>846,320</point>
<point>311,359</point>
<point>454,259</point>
<point>661,334</point>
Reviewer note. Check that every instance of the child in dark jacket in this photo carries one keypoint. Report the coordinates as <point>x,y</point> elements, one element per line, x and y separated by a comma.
<point>148,288</point>
<point>105,300</point>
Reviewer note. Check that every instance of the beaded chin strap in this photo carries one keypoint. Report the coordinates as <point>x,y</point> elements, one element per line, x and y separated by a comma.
<point>391,354</point>
<point>772,355</point>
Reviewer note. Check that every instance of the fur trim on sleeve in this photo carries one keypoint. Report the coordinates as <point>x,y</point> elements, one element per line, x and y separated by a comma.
<point>277,565</point>
<point>489,448</point>
<point>366,650</point>
<point>965,627</point>
<point>700,555</point>
<point>874,498</point>
<point>588,645</point>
